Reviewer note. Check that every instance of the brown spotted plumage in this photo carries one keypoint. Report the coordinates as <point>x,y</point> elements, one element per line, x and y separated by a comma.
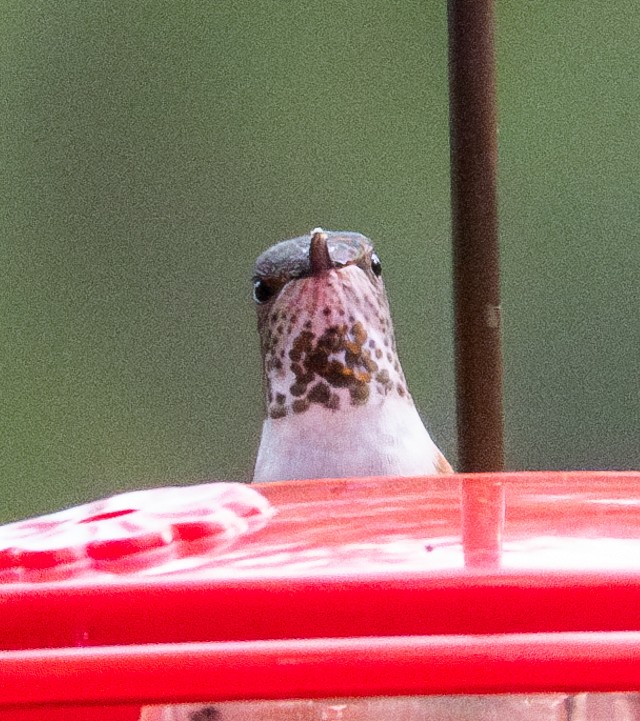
<point>324,331</point>
<point>331,368</point>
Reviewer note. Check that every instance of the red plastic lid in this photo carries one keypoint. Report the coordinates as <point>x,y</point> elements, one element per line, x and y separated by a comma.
<point>131,532</point>
<point>364,587</point>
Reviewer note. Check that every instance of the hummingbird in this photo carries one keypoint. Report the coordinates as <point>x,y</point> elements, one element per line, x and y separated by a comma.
<point>337,402</point>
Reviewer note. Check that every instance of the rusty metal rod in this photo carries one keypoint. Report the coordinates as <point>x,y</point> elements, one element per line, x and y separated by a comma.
<point>476,279</point>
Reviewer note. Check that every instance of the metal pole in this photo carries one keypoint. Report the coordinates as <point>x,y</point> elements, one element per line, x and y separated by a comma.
<point>475,235</point>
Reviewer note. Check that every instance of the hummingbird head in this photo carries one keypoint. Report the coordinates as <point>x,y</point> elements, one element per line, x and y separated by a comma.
<point>324,322</point>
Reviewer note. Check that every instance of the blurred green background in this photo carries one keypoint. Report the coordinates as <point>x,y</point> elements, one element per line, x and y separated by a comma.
<point>149,151</point>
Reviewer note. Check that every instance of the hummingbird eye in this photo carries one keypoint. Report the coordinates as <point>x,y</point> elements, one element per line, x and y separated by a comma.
<point>262,291</point>
<point>376,265</point>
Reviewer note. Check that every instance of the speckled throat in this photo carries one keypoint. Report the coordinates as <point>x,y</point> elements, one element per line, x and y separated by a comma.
<point>337,402</point>
<point>325,328</point>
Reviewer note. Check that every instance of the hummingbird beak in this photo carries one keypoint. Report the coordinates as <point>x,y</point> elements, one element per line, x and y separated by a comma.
<point>319,257</point>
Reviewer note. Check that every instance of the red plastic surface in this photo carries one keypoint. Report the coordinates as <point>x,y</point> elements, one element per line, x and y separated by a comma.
<point>365,586</point>
<point>319,668</point>
<point>130,532</point>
